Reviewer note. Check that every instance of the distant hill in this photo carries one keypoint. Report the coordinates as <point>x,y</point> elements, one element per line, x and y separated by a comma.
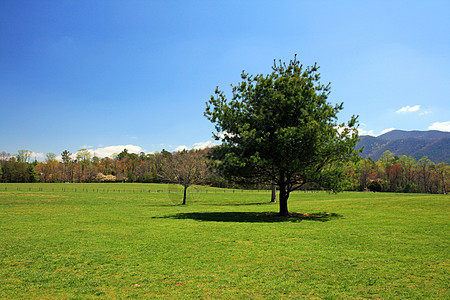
<point>426,135</point>
<point>434,144</point>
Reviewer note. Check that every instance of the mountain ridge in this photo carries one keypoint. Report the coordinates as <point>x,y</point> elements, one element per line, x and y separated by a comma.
<point>404,134</point>
<point>432,143</point>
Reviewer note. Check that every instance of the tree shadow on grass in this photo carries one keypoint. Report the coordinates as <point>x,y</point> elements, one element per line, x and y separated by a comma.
<point>255,217</point>
<point>244,204</point>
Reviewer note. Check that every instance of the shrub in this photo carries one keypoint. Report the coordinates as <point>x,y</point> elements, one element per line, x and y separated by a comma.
<point>374,186</point>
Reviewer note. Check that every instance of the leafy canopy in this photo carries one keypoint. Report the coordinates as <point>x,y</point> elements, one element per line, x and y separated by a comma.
<point>279,127</point>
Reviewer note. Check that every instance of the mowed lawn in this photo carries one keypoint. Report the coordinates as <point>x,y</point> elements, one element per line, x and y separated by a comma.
<point>116,241</point>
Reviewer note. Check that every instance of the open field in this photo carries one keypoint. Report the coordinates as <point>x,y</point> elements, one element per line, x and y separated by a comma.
<point>81,241</point>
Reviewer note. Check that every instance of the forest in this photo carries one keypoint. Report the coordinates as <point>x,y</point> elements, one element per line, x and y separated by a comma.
<point>389,174</point>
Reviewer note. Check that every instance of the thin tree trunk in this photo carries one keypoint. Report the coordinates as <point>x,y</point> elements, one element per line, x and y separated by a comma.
<point>444,191</point>
<point>184,195</point>
<point>274,193</point>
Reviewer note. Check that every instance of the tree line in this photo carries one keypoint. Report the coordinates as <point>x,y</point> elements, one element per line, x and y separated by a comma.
<point>84,167</point>
<point>389,174</point>
<point>400,174</point>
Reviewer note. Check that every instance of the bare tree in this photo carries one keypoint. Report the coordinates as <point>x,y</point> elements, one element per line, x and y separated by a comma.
<point>23,155</point>
<point>185,168</point>
<point>4,156</point>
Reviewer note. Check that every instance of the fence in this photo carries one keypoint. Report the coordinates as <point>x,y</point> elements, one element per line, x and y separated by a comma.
<point>206,190</point>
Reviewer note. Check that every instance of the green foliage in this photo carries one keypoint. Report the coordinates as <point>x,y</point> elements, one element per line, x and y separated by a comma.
<point>32,175</point>
<point>84,156</point>
<point>387,159</point>
<point>280,128</point>
<point>125,153</point>
<point>150,177</point>
<point>65,156</point>
<point>374,186</point>
<point>18,171</point>
<point>23,155</point>
<point>49,157</point>
<point>409,188</point>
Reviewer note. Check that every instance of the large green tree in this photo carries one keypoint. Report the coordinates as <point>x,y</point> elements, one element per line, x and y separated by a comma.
<point>280,128</point>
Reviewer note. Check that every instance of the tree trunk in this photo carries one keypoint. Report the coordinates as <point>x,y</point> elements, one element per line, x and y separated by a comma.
<point>274,194</point>
<point>184,195</point>
<point>444,191</point>
<point>284,195</point>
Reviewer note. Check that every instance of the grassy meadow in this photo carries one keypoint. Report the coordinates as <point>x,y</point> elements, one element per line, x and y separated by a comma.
<point>114,241</point>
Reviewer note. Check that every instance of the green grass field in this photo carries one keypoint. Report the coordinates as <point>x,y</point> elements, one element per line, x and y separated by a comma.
<point>114,241</point>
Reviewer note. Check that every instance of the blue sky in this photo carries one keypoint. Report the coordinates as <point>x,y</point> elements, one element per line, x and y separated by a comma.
<point>107,74</point>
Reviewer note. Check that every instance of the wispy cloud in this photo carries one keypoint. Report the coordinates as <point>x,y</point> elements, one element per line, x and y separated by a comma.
<point>425,112</point>
<point>441,126</point>
<point>408,109</point>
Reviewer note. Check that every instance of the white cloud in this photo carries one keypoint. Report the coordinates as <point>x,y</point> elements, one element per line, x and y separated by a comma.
<point>365,132</point>
<point>203,145</point>
<point>181,148</point>
<point>73,156</point>
<point>196,146</point>
<point>350,130</point>
<point>37,155</point>
<point>386,130</point>
<point>441,126</point>
<point>224,134</point>
<point>110,150</point>
<point>407,109</point>
<point>361,131</point>
<point>106,151</point>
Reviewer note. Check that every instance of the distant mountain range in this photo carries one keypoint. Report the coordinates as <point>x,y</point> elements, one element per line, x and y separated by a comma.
<point>434,144</point>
